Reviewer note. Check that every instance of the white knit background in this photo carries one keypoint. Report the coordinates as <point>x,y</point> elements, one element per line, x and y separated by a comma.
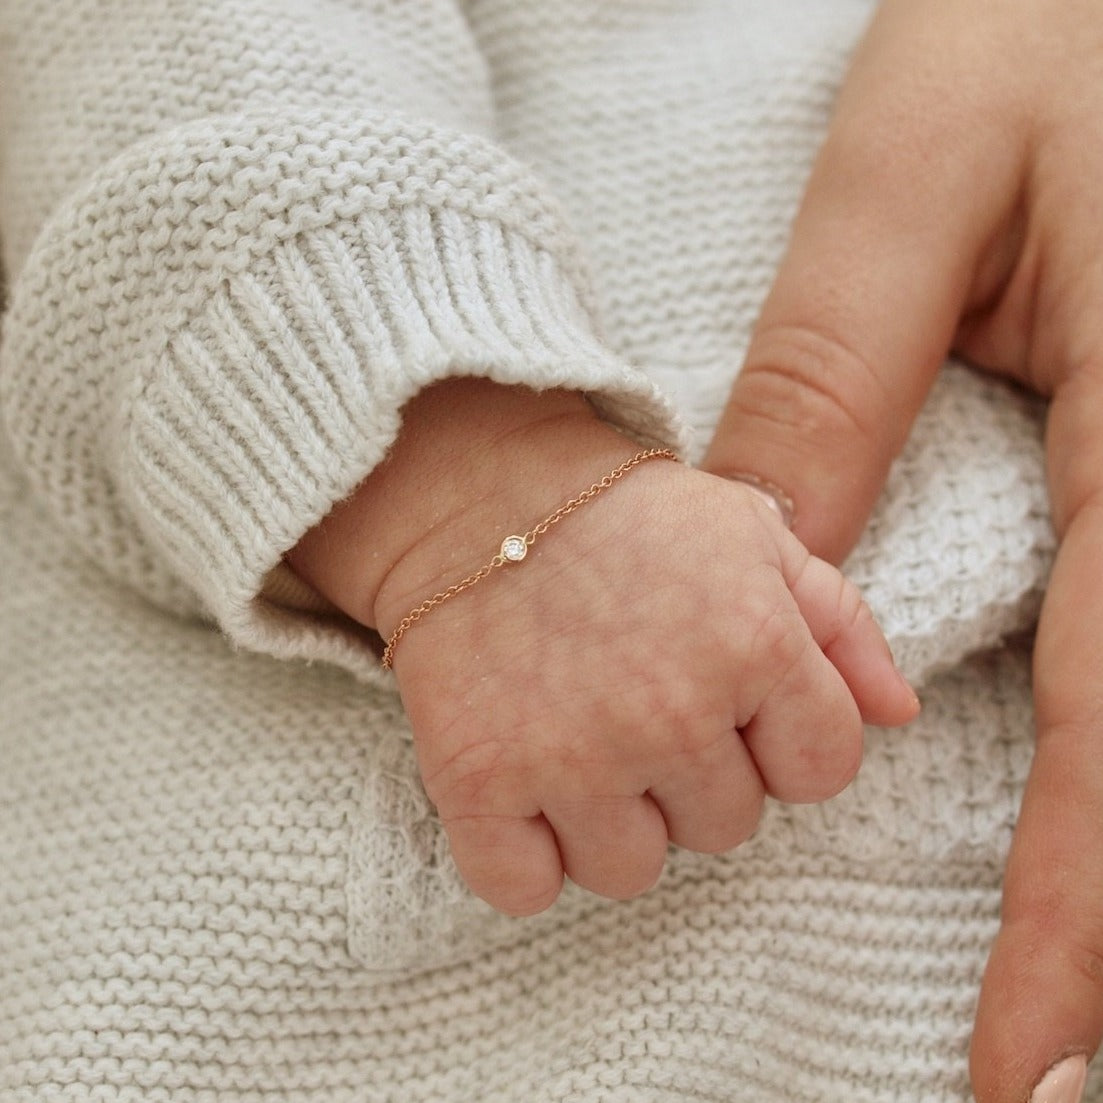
<point>224,884</point>
<point>239,235</point>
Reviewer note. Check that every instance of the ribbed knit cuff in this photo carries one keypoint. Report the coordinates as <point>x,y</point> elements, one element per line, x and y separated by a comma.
<point>211,343</point>
<point>285,391</point>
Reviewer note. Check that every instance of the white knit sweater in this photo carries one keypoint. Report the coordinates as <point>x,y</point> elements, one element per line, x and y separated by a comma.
<point>238,235</point>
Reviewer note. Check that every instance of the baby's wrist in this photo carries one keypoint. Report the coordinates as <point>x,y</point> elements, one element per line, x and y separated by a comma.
<point>475,460</point>
<point>552,450</point>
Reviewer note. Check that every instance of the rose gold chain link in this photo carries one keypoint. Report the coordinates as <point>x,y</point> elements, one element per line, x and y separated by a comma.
<point>518,546</point>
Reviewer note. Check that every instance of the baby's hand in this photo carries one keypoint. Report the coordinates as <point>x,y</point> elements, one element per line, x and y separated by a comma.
<point>660,660</point>
<point>664,656</point>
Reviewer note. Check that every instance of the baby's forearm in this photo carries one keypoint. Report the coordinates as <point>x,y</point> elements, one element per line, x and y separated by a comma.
<point>474,460</point>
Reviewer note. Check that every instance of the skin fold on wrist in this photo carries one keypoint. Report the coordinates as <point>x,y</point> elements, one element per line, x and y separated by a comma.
<point>474,460</point>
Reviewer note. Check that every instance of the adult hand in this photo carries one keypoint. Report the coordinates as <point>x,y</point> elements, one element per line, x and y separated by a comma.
<point>956,204</point>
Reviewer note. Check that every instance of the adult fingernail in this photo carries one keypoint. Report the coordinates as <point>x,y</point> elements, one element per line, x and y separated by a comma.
<point>1064,1083</point>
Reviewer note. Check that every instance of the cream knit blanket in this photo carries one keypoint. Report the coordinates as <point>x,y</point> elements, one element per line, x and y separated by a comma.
<point>238,235</point>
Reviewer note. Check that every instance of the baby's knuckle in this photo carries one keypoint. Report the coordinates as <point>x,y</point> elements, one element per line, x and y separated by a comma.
<point>489,859</point>
<point>842,766</point>
<point>471,775</point>
<point>729,832</point>
<point>635,880</point>
<point>521,899</point>
<point>854,612</point>
<point>649,719</point>
<point>827,762</point>
<point>776,640</point>
<point>664,719</point>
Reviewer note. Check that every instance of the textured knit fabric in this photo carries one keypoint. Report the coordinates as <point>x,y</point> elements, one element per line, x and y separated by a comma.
<point>238,235</point>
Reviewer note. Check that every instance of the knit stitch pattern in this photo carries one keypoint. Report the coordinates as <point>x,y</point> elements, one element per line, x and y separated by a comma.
<point>184,869</point>
<point>238,236</point>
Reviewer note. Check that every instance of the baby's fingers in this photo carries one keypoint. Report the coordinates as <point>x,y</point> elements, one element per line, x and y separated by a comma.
<point>806,736</point>
<point>614,846</point>
<point>712,795</point>
<point>843,626</point>
<point>833,670</point>
<point>511,862</point>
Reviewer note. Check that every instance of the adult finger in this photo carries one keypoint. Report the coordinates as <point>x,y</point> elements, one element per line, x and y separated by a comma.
<point>892,242</point>
<point>1042,996</point>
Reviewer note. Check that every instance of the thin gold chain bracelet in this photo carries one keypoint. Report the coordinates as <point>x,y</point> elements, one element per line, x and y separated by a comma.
<point>515,548</point>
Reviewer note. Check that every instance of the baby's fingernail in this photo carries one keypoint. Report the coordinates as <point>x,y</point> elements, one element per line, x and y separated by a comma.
<point>1064,1083</point>
<point>773,496</point>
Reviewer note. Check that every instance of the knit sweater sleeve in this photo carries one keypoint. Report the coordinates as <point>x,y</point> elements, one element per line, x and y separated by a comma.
<point>237,245</point>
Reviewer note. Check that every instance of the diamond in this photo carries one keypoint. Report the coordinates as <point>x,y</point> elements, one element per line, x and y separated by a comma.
<point>514,548</point>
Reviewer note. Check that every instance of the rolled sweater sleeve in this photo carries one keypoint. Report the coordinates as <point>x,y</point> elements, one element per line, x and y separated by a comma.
<point>213,329</point>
